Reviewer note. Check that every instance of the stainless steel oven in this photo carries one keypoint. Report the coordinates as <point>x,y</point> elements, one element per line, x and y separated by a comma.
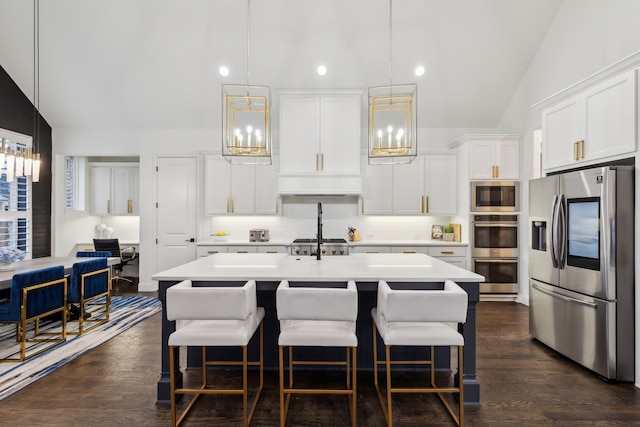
<point>494,235</point>
<point>495,196</point>
<point>500,275</point>
<point>494,251</point>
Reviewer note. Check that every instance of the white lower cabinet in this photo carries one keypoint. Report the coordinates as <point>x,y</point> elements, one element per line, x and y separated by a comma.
<point>204,251</point>
<point>456,255</point>
<point>369,249</point>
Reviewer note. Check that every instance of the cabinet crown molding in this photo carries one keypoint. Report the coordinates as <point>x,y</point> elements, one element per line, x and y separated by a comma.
<point>625,64</point>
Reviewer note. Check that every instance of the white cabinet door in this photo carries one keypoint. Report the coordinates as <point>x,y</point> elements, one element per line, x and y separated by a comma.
<point>115,190</point>
<point>610,117</point>
<point>122,190</point>
<point>599,123</point>
<point>481,160</point>
<point>243,190</point>
<point>408,188</point>
<point>216,185</point>
<point>490,160</point>
<point>377,188</point>
<point>340,135</point>
<point>561,129</point>
<point>100,190</point>
<point>266,189</point>
<point>507,160</point>
<point>273,249</point>
<point>440,184</point>
<point>299,134</point>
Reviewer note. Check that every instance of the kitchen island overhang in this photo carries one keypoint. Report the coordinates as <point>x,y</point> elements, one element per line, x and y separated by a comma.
<point>400,270</point>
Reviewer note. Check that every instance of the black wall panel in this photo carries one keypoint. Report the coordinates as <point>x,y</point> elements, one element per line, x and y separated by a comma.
<point>17,115</point>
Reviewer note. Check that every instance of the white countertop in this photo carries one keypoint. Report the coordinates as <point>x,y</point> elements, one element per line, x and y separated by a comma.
<point>358,267</point>
<point>407,242</point>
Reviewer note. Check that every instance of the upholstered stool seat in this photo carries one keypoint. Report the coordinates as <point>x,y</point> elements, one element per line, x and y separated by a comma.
<point>420,318</point>
<point>317,317</point>
<point>215,317</point>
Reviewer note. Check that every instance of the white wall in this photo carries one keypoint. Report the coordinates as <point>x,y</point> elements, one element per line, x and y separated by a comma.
<point>585,37</point>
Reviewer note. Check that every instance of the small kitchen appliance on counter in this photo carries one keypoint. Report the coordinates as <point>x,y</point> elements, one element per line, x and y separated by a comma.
<point>259,235</point>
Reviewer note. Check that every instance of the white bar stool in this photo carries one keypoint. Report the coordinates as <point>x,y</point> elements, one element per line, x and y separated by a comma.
<point>317,317</point>
<point>215,317</point>
<point>419,318</point>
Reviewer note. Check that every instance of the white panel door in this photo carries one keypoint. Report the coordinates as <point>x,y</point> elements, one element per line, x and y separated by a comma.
<point>176,212</point>
<point>481,160</point>
<point>507,158</point>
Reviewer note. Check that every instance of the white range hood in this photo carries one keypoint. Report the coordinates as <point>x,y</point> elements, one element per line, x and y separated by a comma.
<point>315,185</point>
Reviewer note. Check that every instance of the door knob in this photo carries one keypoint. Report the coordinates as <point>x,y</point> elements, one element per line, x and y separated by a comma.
<point>191,240</point>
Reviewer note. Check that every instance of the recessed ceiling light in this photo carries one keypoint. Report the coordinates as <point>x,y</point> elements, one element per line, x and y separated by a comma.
<point>322,70</point>
<point>224,71</point>
<point>419,70</point>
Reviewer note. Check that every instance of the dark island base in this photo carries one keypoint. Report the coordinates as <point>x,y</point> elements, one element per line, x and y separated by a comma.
<point>367,296</point>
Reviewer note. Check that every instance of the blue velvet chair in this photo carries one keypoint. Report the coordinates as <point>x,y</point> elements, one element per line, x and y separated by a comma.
<point>90,288</point>
<point>33,296</point>
<point>93,254</point>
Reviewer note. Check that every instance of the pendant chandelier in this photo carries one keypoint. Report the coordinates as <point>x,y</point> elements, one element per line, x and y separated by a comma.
<point>392,118</point>
<point>31,156</point>
<point>246,123</point>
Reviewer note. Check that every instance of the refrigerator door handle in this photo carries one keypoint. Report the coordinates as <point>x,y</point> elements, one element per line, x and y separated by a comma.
<point>562,238</point>
<point>554,226</point>
<point>563,297</point>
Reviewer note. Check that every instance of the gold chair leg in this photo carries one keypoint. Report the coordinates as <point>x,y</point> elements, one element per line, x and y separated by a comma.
<point>461,384</point>
<point>172,376</point>
<point>283,415</point>
<point>245,385</point>
<point>354,369</point>
<point>388,368</point>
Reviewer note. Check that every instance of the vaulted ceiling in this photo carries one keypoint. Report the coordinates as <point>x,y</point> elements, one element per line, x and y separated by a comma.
<point>154,63</point>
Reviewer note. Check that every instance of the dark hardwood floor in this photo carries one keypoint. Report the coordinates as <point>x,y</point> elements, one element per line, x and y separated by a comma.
<point>522,384</point>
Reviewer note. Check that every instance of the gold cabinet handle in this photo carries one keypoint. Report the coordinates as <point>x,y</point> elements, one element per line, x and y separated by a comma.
<point>426,204</point>
<point>277,205</point>
<point>228,204</point>
<point>317,162</point>
<point>129,206</point>
<point>362,201</point>
<point>497,171</point>
<point>109,206</point>
<point>421,204</point>
<point>212,252</point>
<point>446,252</point>
<point>582,149</point>
<point>233,204</point>
<point>372,252</point>
<point>272,252</point>
<point>242,252</point>
<point>321,161</point>
<point>409,252</point>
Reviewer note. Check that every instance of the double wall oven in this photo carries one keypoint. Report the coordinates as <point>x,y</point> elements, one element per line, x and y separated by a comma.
<point>494,252</point>
<point>494,234</point>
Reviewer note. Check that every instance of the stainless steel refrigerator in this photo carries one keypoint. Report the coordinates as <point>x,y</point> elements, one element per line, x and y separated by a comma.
<point>581,267</point>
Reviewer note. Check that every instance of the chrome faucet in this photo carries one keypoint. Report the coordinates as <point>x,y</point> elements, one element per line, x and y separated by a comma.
<point>319,235</point>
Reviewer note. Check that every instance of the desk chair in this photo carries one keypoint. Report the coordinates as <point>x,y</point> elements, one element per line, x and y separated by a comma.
<point>419,318</point>
<point>125,255</point>
<point>317,317</point>
<point>33,296</point>
<point>215,317</point>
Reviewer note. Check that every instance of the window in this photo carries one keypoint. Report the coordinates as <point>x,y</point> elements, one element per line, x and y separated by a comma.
<point>74,183</point>
<point>15,199</point>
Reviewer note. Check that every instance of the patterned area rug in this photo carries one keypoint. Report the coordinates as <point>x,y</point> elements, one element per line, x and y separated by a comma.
<point>125,312</point>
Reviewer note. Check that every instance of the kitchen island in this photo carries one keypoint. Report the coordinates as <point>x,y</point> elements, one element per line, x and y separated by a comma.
<point>399,270</point>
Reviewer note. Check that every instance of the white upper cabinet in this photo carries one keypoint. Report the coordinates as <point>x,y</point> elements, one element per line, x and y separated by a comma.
<point>115,189</point>
<point>320,142</point>
<point>494,159</point>
<point>596,124</point>
<point>426,186</point>
<point>239,189</point>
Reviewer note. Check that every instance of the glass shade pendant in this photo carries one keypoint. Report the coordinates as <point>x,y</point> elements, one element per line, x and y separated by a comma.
<point>392,124</point>
<point>246,130</point>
